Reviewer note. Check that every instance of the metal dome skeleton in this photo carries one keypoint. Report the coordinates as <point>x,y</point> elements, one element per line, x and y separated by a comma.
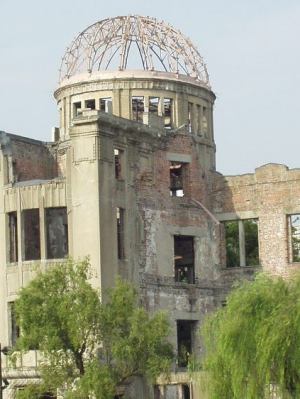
<point>107,44</point>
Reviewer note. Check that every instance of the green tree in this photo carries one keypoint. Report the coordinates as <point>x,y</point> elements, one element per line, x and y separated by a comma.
<point>88,348</point>
<point>253,344</point>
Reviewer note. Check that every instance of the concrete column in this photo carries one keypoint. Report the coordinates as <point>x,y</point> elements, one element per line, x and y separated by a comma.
<point>242,243</point>
<point>116,106</point>
<point>200,116</point>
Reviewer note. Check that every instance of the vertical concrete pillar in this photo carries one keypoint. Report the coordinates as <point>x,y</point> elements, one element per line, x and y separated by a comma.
<point>116,106</point>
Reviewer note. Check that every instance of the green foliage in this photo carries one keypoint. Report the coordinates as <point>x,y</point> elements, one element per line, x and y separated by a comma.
<point>88,347</point>
<point>253,343</point>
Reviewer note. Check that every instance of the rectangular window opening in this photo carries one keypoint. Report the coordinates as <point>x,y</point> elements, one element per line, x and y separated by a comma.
<point>184,259</point>
<point>153,105</point>
<point>185,334</point>
<point>186,394</point>
<point>120,233</point>
<point>118,160</point>
<point>13,237</point>
<point>232,244</point>
<point>57,232</point>
<point>295,237</point>
<point>190,116</point>
<point>14,329</point>
<point>177,175</point>
<point>168,108</point>
<point>106,105</point>
<point>137,107</point>
<point>241,241</point>
<point>76,108</point>
<point>31,231</point>
<point>90,104</point>
<point>251,242</point>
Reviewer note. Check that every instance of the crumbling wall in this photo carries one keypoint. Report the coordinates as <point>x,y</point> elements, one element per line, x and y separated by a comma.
<point>270,195</point>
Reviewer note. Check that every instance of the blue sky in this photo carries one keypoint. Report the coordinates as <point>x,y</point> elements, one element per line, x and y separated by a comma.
<point>251,49</point>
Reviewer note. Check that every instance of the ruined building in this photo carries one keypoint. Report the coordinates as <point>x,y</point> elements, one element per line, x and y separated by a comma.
<point>130,179</point>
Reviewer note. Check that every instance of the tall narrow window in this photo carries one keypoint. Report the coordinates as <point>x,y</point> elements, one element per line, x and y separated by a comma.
<point>294,221</point>
<point>137,104</point>
<point>241,240</point>
<point>204,121</point>
<point>186,394</point>
<point>57,233</point>
<point>120,233</point>
<point>232,243</point>
<point>177,177</point>
<point>90,104</point>
<point>76,108</point>
<point>168,109</point>
<point>185,335</point>
<point>13,237</point>
<point>106,105</point>
<point>153,105</point>
<point>118,159</point>
<point>184,259</point>
<point>190,117</point>
<point>251,242</point>
<point>14,330</point>
<point>31,231</point>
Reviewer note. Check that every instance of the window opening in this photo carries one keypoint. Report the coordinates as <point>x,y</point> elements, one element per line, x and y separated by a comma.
<point>295,237</point>
<point>57,232</point>
<point>168,107</point>
<point>177,179</point>
<point>118,159</point>
<point>184,259</point>
<point>120,233</point>
<point>90,104</point>
<point>106,105</point>
<point>190,115</point>
<point>76,108</point>
<point>13,325</point>
<point>251,242</point>
<point>153,105</point>
<point>186,392</point>
<point>204,120</point>
<point>241,238</point>
<point>137,104</point>
<point>184,341</point>
<point>13,237</point>
<point>31,221</point>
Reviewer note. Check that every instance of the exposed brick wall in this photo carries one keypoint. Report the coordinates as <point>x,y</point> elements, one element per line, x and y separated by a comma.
<point>270,194</point>
<point>32,160</point>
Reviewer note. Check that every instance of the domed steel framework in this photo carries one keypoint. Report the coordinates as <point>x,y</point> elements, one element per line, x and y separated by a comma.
<point>107,44</point>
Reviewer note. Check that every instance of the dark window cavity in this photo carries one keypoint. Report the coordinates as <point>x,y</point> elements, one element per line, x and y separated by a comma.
<point>190,117</point>
<point>153,105</point>
<point>57,233</point>
<point>168,105</point>
<point>31,231</point>
<point>13,237</point>
<point>106,105</point>
<point>186,392</point>
<point>184,259</point>
<point>185,334</point>
<point>76,108</point>
<point>137,104</point>
<point>118,160</point>
<point>294,221</point>
<point>241,237</point>
<point>120,233</point>
<point>90,104</point>
<point>14,330</point>
<point>177,179</point>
